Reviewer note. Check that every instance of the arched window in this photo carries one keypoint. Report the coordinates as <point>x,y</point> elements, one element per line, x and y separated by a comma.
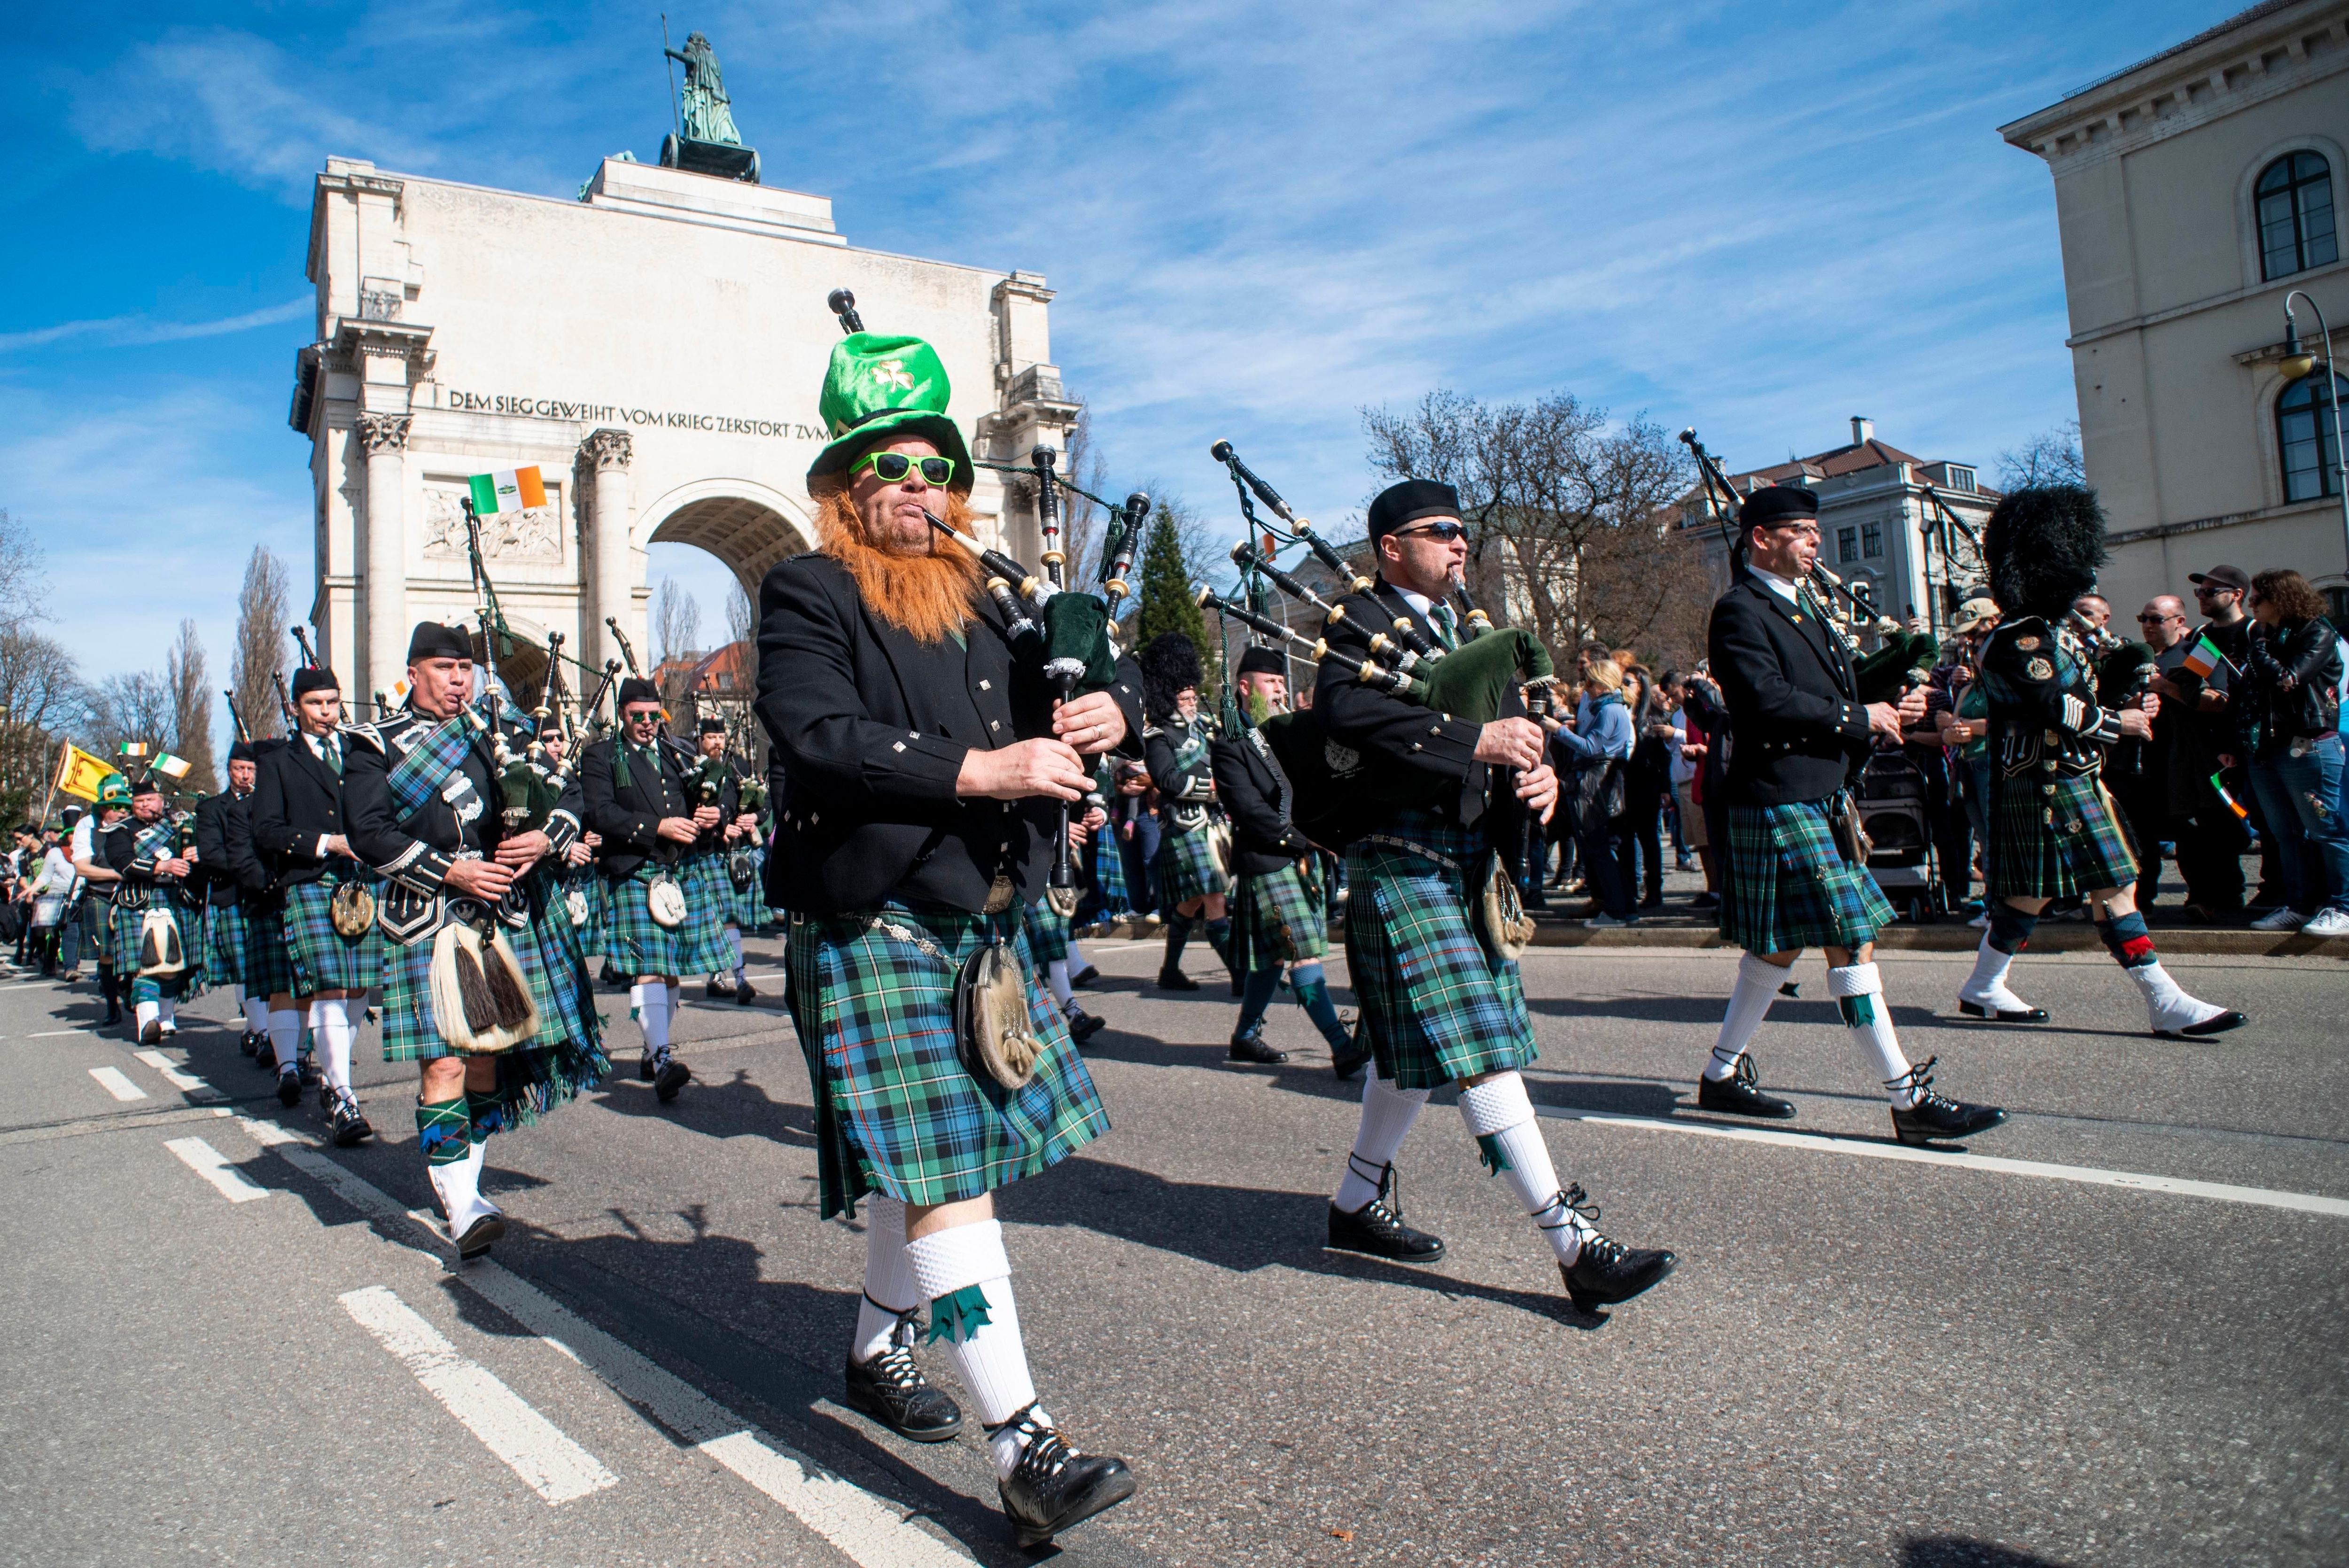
<point>2295,212</point>
<point>2305,434</point>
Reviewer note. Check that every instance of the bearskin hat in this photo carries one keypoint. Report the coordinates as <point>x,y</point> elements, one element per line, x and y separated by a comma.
<point>2042,546</point>
<point>1169,664</point>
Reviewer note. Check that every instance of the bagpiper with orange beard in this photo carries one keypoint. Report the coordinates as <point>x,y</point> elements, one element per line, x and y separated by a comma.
<point>926,762</point>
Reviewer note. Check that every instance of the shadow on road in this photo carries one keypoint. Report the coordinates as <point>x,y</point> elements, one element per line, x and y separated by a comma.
<point>1965,1552</point>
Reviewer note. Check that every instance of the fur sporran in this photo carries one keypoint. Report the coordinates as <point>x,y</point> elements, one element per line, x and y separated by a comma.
<point>992,1031</point>
<point>1501,914</point>
<point>352,911</point>
<point>481,1000</point>
<point>160,954</point>
<point>740,870</point>
<point>1063,901</point>
<point>1219,845</point>
<point>664,900</point>
<point>575,905</point>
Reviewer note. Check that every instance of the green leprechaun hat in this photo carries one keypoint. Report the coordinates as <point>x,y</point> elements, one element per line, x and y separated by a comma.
<point>113,790</point>
<point>879,386</point>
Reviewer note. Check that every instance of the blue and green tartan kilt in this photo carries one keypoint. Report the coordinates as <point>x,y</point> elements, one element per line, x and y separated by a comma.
<point>1109,870</point>
<point>637,945</point>
<point>122,944</point>
<point>1439,1006</point>
<point>1186,867</point>
<point>224,944</point>
<point>1048,932</point>
<point>566,1055</point>
<point>747,908</point>
<point>1789,887</point>
<point>2055,836</point>
<point>1278,918</point>
<point>268,968</point>
<point>323,959</point>
<point>895,1110</point>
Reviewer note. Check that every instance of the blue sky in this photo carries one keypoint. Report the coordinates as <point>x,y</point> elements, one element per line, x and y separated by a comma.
<point>1759,219</point>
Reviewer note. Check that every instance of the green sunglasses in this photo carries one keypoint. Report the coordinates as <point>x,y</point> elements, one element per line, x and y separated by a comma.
<point>891,466</point>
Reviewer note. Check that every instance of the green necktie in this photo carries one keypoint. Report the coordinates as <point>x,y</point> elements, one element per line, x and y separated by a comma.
<point>1442,615</point>
<point>331,745</point>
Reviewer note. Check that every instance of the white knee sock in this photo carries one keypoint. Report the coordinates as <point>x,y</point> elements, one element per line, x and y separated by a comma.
<point>734,950</point>
<point>890,1288</point>
<point>1986,986</point>
<point>459,1185</point>
<point>676,998</point>
<point>1500,1117</point>
<point>650,1001</point>
<point>1077,965</point>
<point>472,1164</point>
<point>1387,1115</point>
<point>331,1026</point>
<point>990,1358</point>
<point>1057,972</point>
<point>144,1013</point>
<point>257,1013</point>
<point>286,1036</point>
<point>1859,991</point>
<point>236,994</point>
<point>169,1008</point>
<point>1749,1000</point>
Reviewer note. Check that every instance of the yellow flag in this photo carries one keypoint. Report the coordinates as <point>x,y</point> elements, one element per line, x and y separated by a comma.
<point>80,774</point>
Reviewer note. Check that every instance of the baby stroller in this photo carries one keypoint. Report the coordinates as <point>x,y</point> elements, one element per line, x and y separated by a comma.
<point>1891,795</point>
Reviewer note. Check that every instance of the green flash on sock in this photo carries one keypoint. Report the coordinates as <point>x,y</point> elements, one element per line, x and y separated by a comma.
<point>444,1131</point>
<point>957,1317</point>
<point>1856,1010</point>
<point>487,1112</point>
<point>1488,1144</point>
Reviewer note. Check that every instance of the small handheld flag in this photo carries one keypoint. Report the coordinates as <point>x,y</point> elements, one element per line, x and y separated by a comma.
<point>172,768</point>
<point>2202,658</point>
<point>131,749</point>
<point>508,490</point>
<point>2218,784</point>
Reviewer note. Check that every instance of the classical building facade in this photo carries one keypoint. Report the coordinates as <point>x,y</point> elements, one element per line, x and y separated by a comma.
<point>2193,191</point>
<point>654,348</point>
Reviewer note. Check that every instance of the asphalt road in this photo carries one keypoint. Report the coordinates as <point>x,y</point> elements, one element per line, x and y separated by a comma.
<point>2111,1334</point>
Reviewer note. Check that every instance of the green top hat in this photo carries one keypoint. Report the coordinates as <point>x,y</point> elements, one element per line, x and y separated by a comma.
<point>877,388</point>
<point>114,790</point>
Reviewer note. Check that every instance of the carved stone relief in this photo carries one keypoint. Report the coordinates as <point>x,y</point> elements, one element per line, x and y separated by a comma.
<point>534,533</point>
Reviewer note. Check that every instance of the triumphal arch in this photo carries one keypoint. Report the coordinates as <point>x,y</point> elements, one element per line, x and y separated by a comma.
<point>654,348</point>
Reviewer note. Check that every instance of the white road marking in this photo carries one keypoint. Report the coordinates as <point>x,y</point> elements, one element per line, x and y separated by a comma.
<point>209,1164</point>
<point>867,1529</point>
<point>116,1083</point>
<point>186,1083</point>
<point>2305,1203</point>
<point>550,1463</point>
<point>53,1034</point>
<point>268,1134</point>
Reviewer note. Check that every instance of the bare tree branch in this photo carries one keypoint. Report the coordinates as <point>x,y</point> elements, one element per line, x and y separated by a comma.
<point>265,613</point>
<point>190,682</point>
<point>2049,458</point>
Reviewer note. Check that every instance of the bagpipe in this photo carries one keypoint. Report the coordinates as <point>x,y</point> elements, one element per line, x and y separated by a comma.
<point>1901,660</point>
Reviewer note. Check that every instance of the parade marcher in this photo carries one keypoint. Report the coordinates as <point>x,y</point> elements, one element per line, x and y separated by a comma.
<point>1441,1003</point>
<point>466,901</point>
<point>1190,881</point>
<point>2053,831</point>
<point>225,938</point>
<point>721,856</point>
<point>924,767</point>
<point>662,919</point>
<point>268,969</point>
<point>113,804</point>
<point>299,829</point>
<point>53,892</point>
<point>1798,733</point>
<point>1052,938</point>
<point>145,852</point>
<point>1279,922</point>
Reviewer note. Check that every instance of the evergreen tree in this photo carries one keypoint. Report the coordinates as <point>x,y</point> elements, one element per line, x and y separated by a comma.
<point>1168,600</point>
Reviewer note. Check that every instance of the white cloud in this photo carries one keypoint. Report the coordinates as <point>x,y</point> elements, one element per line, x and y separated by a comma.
<point>143,329</point>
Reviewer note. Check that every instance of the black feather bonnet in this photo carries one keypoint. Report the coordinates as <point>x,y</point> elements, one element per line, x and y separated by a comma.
<point>2042,546</point>
<point>1170,664</point>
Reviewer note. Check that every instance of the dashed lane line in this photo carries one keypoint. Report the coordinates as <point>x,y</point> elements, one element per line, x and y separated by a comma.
<point>533,1447</point>
<point>117,1083</point>
<point>867,1529</point>
<point>209,1164</point>
<point>1868,1148</point>
<point>188,1084</point>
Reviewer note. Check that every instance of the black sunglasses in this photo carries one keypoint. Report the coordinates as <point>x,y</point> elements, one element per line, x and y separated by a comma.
<point>1445,531</point>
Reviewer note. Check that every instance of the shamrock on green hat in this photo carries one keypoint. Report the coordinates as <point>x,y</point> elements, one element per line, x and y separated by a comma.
<point>881,387</point>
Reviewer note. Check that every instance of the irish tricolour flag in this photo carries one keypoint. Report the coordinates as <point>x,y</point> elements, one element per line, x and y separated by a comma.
<point>2201,659</point>
<point>508,490</point>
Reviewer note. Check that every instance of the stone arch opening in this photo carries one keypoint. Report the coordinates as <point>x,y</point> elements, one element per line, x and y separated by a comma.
<point>747,527</point>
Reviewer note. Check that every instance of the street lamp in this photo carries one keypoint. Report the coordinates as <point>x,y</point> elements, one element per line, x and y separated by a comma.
<point>2296,364</point>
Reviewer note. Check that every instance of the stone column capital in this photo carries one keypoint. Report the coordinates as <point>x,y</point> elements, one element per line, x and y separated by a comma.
<point>384,432</point>
<point>609,449</point>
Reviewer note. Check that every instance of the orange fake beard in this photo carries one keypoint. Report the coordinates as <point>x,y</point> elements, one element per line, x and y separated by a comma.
<point>928,597</point>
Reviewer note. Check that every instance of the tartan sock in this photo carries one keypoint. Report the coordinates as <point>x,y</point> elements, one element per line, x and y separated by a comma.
<point>1057,974</point>
<point>1500,1117</point>
<point>1219,937</point>
<point>734,950</point>
<point>1178,936</point>
<point>145,992</point>
<point>1313,995</point>
<point>1749,1002</point>
<point>2009,927</point>
<point>963,1273</point>
<point>2126,938</point>
<point>330,1023</point>
<point>650,1005</point>
<point>257,1013</point>
<point>1387,1115</point>
<point>107,990</point>
<point>890,1291</point>
<point>444,1130</point>
<point>1255,995</point>
<point>486,1113</point>
<point>286,1036</point>
<point>1859,991</point>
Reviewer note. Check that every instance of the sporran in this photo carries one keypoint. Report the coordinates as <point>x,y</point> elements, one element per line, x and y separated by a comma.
<point>1501,916</point>
<point>992,1030</point>
<point>1851,839</point>
<point>1063,901</point>
<point>159,953</point>
<point>481,1000</point>
<point>352,911</point>
<point>665,900</point>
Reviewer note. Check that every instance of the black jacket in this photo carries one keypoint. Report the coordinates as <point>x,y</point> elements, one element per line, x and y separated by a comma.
<point>872,726</point>
<point>1797,727</point>
<point>214,866</point>
<point>117,847</point>
<point>1394,729</point>
<point>1255,797</point>
<point>1184,790</point>
<point>297,800</point>
<point>417,848</point>
<point>2274,714</point>
<point>628,820</point>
